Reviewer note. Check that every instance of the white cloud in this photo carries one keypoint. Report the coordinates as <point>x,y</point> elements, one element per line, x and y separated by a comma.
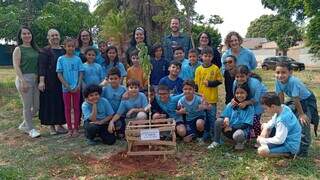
<point>237,14</point>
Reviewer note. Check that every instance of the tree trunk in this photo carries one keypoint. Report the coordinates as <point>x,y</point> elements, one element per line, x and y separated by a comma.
<point>145,10</point>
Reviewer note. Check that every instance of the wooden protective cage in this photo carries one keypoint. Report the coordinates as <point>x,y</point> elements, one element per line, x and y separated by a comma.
<point>165,145</point>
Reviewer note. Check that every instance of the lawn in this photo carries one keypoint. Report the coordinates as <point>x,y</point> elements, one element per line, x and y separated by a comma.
<point>60,157</point>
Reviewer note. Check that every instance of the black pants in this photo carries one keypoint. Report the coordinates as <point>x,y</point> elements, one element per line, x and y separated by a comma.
<point>228,83</point>
<point>93,130</point>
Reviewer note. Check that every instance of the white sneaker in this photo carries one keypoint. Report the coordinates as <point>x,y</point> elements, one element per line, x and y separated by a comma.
<point>34,133</point>
<point>213,145</point>
<point>23,128</point>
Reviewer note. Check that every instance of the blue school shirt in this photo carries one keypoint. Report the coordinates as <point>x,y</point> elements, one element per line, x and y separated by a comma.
<point>291,122</point>
<point>92,74</point>
<point>78,53</point>
<point>174,86</point>
<point>257,90</point>
<point>245,57</point>
<point>114,96</point>
<point>159,70</point>
<point>188,71</point>
<point>192,107</point>
<point>99,59</point>
<point>170,107</point>
<point>238,116</point>
<point>293,88</point>
<point>69,67</point>
<point>106,68</point>
<point>104,109</point>
<point>140,101</point>
<point>181,40</point>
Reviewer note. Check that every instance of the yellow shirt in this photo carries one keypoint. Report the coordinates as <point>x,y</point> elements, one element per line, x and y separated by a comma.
<point>211,73</point>
<point>137,74</point>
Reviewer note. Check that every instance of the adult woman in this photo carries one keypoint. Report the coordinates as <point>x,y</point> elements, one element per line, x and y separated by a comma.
<point>84,41</point>
<point>204,40</point>
<point>25,63</point>
<point>139,36</point>
<point>51,102</point>
<point>243,55</point>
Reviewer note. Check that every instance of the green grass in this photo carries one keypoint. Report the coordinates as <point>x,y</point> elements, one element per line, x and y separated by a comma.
<point>60,157</point>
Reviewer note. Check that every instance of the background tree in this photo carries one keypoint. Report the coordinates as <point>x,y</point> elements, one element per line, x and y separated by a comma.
<point>65,15</point>
<point>275,28</point>
<point>301,10</point>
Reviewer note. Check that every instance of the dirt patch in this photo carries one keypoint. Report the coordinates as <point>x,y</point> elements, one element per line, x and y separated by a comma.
<point>317,161</point>
<point>13,138</point>
<point>122,164</point>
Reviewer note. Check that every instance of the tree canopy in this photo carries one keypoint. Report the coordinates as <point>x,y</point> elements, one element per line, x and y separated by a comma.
<point>65,15</point>
<point>300,10</point>
<point>275,28</point>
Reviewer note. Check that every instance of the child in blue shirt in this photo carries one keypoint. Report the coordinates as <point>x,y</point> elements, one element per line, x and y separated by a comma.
<point>280,136</point>
<point>159,65</point>
<point>235,122</point>
<point>168,103</point>
<point>188,68</point>
<point>172,81</point>
<point>92,71</point>
<point>112,60</point>
<point>113,92</point>
<point>304,102</point>
<point>70,73</point>
<point>97,113</point>
<point>156,111</point>
<point>134,107</point>
<point>257,90</point>
<point>192,107</point>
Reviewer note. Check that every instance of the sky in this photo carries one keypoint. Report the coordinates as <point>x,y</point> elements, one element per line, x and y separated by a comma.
<point>237,14</point>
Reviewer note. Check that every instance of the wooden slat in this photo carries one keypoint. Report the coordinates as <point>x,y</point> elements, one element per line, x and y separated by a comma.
<point>165,143</point>
<point>148,153</point>
<point>154,121</point>
<point>150,126</point>
<point>137,141</point>
<point>136,132</point>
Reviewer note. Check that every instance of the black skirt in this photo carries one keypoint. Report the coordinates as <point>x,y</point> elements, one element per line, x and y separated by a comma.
<point>51,110</point>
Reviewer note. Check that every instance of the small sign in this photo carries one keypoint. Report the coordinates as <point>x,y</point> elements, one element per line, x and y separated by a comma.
<point>149,134</point>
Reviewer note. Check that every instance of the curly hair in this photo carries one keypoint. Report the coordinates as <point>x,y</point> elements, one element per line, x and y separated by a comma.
<point>228,38</point>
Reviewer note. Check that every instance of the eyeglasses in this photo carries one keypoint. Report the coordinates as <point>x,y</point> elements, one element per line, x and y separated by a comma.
<point>85,35</point>
<point>227,62</point>
<point>204,37</point>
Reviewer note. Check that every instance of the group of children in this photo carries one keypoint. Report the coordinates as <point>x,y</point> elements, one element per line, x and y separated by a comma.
<point>186,90</point>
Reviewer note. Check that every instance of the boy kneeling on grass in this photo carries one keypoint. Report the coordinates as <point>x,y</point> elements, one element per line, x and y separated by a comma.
<point>97,113</point>
<point>135,106</point>
<point>281,136</point>
<point>192,106</point>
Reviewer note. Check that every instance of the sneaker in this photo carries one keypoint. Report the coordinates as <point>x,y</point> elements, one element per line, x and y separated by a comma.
<point>23,128</point>
<point>213,145</point>
<point>34,133</point>
<point>200,141</point>
<point>239,146</point>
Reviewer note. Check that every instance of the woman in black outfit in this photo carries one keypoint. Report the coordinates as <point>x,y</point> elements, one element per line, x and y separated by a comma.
<point>51,111</point>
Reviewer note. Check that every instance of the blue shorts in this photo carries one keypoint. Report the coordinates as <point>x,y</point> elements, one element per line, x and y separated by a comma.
<point>278,149</point>
<point>191,126</point>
